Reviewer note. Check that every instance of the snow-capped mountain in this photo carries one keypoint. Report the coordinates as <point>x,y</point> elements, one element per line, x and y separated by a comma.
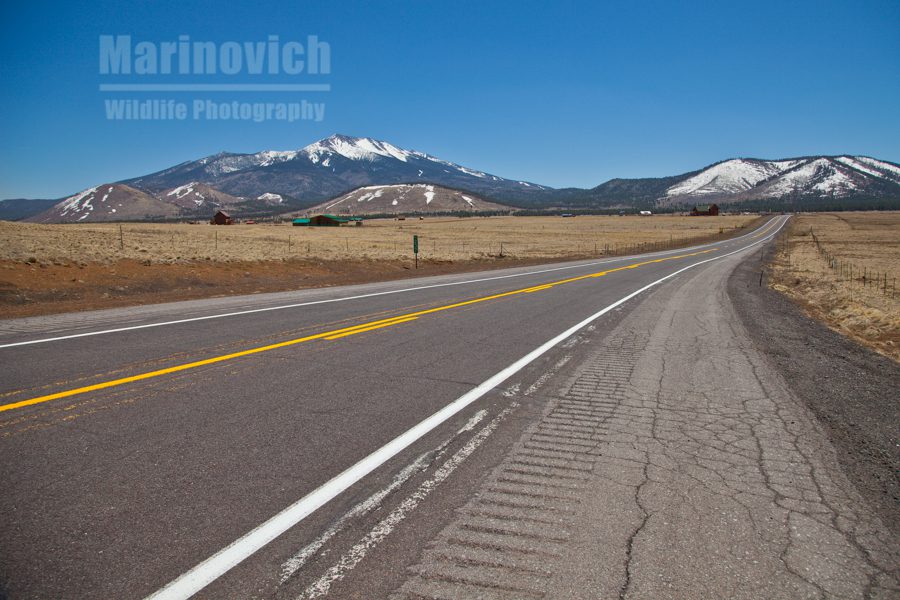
<point>731,177</point>
<point>404,198</point>
<point>750,179</point>
<point>797,183</point>
<point>279,182</point>
<point>107,202</point>
<point>328,168</point>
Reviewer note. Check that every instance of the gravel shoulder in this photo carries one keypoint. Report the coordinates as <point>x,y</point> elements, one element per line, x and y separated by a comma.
<point>850,389</point>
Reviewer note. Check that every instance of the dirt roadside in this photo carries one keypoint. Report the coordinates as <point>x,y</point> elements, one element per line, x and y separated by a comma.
<point>48,286</point>
<point>54,269</point>
<point>851,389</point>
<point>42,288</point>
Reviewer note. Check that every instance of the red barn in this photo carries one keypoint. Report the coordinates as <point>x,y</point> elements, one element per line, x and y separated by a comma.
<point>221,218</point>
<point>705,210</point>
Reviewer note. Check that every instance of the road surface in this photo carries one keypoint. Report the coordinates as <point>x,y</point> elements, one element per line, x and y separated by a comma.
<point>587,429</point>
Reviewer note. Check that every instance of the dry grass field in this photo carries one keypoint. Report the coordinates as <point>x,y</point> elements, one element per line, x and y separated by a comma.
<point>848,280</point>
<point>448,239</point>
<point>55,268</point>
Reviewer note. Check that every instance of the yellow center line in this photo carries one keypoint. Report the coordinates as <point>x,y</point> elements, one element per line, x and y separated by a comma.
<point>372,328</point>
<point>765,229</point>
<point>326,335</point>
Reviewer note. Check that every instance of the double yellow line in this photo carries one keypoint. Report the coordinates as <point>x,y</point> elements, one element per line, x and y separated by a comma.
<point>765,229</point>
<point>334,334</point>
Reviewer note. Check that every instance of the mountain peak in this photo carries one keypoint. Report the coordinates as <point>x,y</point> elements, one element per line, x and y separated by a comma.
<point>354,148</point>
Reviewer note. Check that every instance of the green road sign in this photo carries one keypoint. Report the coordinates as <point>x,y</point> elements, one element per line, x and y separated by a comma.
<point>416,244</point>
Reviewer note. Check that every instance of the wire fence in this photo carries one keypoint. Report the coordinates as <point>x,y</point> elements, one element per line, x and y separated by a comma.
<point>854,274</point>
<point>185,243</point>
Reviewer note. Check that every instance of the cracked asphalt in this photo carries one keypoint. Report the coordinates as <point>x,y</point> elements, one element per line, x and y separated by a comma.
<point>665,450</point>
<point>675,463</point>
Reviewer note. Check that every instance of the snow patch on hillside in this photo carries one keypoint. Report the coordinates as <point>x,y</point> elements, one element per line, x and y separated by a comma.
<point>731,176</point>
<point>855,164</point>
<point>78,202</point>
<point>183,190</point>
<point>378,193</point>
<point>890,170</point>
<point>821,173</point>
<point>270,157</point>
<point>470,171</point>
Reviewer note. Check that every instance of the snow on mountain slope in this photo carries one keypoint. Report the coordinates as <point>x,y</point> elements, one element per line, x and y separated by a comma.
<point>880,168</point>
<point>860,166</point>
<point>823,175</point>
<point>270,198</point>
<point>404,198</point>
<point>328,167</point>
<point>368,149</point>
<point>198,197</point>
<point>107,202</point>
<point>748,179</point>
<point>731,176</point>
<point>354,149</point>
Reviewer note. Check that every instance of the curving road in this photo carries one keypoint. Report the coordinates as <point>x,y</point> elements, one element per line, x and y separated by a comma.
<point>541,431</point>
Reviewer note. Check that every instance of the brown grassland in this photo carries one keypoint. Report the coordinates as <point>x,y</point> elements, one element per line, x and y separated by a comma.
<point>849,279</point>
<point>54,268</point>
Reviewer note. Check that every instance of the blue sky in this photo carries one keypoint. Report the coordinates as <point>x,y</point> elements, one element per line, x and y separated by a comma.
<point>560,93</point>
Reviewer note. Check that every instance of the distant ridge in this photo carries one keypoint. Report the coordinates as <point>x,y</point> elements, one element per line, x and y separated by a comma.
<point>277,182</point>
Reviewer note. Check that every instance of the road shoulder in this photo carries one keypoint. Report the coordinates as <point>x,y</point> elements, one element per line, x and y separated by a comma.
<point>851,390</point>
<point>674,463</point>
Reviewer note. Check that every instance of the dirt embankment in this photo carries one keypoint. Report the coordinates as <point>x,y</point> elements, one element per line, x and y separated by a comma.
<point>28,289</point>
<point>48,269</point>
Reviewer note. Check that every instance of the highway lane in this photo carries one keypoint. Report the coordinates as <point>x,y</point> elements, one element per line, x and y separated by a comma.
<point>115,492</point>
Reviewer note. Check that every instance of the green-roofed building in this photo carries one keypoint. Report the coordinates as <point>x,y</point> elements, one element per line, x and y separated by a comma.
<point>326,221</point>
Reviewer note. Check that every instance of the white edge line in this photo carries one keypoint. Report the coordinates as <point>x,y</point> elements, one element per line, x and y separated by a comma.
<point>298,305</point>
<point>222,561</point>
<point>361,296</point>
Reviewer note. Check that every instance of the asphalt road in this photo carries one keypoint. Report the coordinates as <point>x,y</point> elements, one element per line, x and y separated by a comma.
<point>138,451</point>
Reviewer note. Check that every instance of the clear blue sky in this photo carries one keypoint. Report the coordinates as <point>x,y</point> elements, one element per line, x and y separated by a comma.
<point>560,93</point>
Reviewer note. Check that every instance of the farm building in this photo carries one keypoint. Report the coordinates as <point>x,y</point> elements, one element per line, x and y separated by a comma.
<point>705,210</point>
<point>326,221</point>
<point>221,218</point>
